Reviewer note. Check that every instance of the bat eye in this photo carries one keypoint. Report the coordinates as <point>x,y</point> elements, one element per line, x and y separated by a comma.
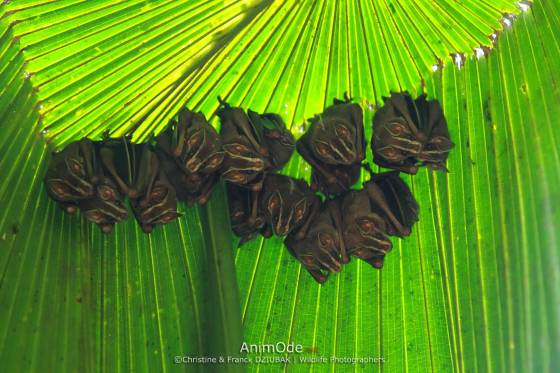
<point>215,160</point>
<point>398,129</point>
<point>343,132</point>
<point>158,194</point>
<point>94,216</point>
<point>235,177</point>
<point>389,152</point>
<point>239,148</point>
<point>195,140</point>
<point>366,226</point>
<point>323,150</point>
<point>440,141</point>
<point>59,189</point>
<point>325,240</point>
<point>237,215</point>
<point>75,167</point>
<point>106,193</point>
<point>308,260</point>
<point>168,217</point>
<point>273,203</point>
<point>235,148</point>
<point>300,211</point>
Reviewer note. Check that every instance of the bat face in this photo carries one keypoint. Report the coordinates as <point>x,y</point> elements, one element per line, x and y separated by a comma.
<point>244,162</point>
<point>190,187</point>
<point>72,174</point>
<point>193,143</point>
<point>336,135</point>
<point>319,250</point>
<point>286,203</point>
<point>393,201</point>
<point>106,207</point>
<point>155,200</point>
<point>137,171</point>
<point>157,206</point>
<point>409,133</point>
<point>334,147</point>
<point>364,230</point>
<point>242,165</point>
<point>276,138</point>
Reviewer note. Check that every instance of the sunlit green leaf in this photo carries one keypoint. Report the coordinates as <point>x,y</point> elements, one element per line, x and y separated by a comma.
<point>475,288</point>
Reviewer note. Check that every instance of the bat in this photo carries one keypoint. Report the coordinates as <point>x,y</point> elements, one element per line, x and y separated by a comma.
<point>246,221</point>
<point>253,144</point>
<point>410,133</point>
<point>321,250</point>
<point>334,147</point>
<point>193,143</point>
<point>73,174</point>
<point>287,204</point>
<point>137,171</point>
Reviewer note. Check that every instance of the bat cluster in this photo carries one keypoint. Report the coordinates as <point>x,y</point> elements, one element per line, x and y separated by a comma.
<point>187,159</point>
<point>183,163</point>
<point>324,233</point>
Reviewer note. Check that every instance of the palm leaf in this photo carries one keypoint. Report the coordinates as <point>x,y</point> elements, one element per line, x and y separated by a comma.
<point>475,288</point>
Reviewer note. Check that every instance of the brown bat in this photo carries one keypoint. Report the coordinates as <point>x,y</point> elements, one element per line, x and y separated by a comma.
<point>410,133</point>
<point>334,146</point>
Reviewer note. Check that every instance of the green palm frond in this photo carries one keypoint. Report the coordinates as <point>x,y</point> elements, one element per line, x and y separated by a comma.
<point>475,288</point>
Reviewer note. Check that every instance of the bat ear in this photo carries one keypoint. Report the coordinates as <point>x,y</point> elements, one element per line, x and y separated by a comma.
<point>274,202</point>
<point>223,103</point>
